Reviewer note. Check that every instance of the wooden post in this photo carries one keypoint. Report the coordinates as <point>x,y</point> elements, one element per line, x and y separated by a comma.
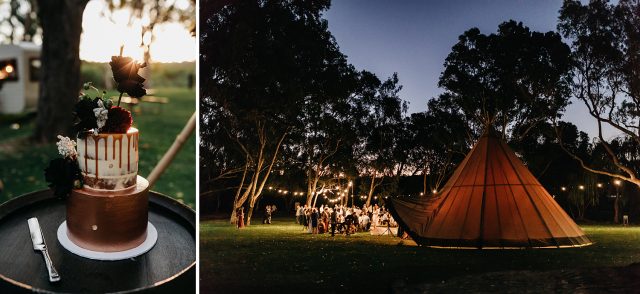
<point>173,151</point>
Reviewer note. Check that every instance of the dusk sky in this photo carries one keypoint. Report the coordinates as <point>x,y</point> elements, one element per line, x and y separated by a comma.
<point>413,38</point>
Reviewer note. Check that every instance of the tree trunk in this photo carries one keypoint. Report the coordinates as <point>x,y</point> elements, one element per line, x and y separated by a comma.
<point>315,199</point>
<point>234,216</point>
<point>616,210</point>
<point>310,188</point>
<point>146,71</point>
<point>258,184</point>
<point>60,79</point>
<point>581,210</point>
<point>371,189</point>
<point>237,199</point>
<point>250,212</point>
<point>312,185</point>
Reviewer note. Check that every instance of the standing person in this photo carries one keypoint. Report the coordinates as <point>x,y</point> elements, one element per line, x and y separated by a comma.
<point>365,222</point>
<point>297,213</point>
<point>334,222</point>
<point>240,220</point>
<point>325,219</point>
<point>266,218</point>
<point>305,219</point>
<point>314,221</point>
<point>309,224</point>
<point>374,220</point>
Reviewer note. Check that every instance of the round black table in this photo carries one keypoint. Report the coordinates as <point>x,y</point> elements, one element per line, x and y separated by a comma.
<point>169,267</point>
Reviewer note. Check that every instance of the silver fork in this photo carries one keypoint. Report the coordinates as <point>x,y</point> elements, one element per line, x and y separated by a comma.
<point>39,244</point>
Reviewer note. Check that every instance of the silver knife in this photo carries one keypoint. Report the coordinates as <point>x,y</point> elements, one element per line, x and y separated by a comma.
<point>38,244</point>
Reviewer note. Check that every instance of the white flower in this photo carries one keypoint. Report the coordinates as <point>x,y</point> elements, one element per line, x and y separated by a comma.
<point>66,147</point>
<point>101,114</point>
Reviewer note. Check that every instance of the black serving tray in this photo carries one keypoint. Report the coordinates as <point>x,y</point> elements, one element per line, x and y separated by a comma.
<point>169,267</point>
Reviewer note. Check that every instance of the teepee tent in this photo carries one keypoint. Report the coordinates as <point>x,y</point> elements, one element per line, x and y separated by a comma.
<point>491,201</point>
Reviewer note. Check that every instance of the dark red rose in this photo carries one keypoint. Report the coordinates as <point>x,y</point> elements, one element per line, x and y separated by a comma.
<point>118,122</point>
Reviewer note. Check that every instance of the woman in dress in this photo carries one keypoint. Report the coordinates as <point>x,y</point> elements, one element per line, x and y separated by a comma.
<point>325,219</point>
<point>309,226</point>
<point>314,221</point>
<point>240,215</point>
<point>305,219</point>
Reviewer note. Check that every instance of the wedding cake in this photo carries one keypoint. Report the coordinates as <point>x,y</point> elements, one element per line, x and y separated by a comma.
<point>107,201</point>
<point>109,213</point>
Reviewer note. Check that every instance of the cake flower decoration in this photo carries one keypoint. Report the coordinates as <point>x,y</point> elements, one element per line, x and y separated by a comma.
<point>101,114</point>
<point>67,147</point>
<point>64,174</point>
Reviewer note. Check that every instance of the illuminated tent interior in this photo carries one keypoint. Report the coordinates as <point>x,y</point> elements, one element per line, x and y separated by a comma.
<point>491,201</point>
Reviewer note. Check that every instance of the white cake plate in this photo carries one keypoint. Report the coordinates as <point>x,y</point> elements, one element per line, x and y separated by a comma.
<point>152,237</point>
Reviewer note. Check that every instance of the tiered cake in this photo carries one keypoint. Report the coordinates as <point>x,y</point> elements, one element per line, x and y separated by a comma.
<point>110,212</point>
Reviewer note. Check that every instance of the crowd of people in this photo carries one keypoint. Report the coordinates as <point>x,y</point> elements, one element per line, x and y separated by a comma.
<point>342,219</point>
<point>338,219</point>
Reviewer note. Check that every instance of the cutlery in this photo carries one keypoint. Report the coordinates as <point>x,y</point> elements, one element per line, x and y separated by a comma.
<point>38,244</point>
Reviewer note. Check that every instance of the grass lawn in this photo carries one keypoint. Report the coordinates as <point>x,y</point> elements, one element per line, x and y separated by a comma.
<point>22,163</point>
<point>283,259</point>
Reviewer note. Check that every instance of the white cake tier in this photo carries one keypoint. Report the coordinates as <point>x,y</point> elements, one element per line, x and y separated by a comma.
<point>109,161</point>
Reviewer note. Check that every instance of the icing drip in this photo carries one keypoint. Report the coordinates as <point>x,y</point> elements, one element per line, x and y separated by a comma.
<point>120,158</point>
<point>128,153</point>
<point>86,160</point>
<point>114,147</point>
<point>95,155</point>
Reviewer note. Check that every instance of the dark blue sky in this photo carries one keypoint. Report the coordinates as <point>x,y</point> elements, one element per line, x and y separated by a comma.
<point>413,38</point>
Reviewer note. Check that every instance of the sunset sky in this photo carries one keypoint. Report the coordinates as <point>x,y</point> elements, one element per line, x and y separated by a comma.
<point>102,37</point>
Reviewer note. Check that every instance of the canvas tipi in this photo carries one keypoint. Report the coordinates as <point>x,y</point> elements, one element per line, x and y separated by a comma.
<point>491,201</point>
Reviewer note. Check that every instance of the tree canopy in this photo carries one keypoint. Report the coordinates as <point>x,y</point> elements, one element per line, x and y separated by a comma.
<point>512,79</point>
<point>605,45</point>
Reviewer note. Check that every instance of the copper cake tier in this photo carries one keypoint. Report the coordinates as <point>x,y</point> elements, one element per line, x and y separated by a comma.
<point>108,221</point>
<point>109,161</point>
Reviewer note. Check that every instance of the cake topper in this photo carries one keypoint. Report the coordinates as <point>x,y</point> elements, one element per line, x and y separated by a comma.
<point>125,74</point>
